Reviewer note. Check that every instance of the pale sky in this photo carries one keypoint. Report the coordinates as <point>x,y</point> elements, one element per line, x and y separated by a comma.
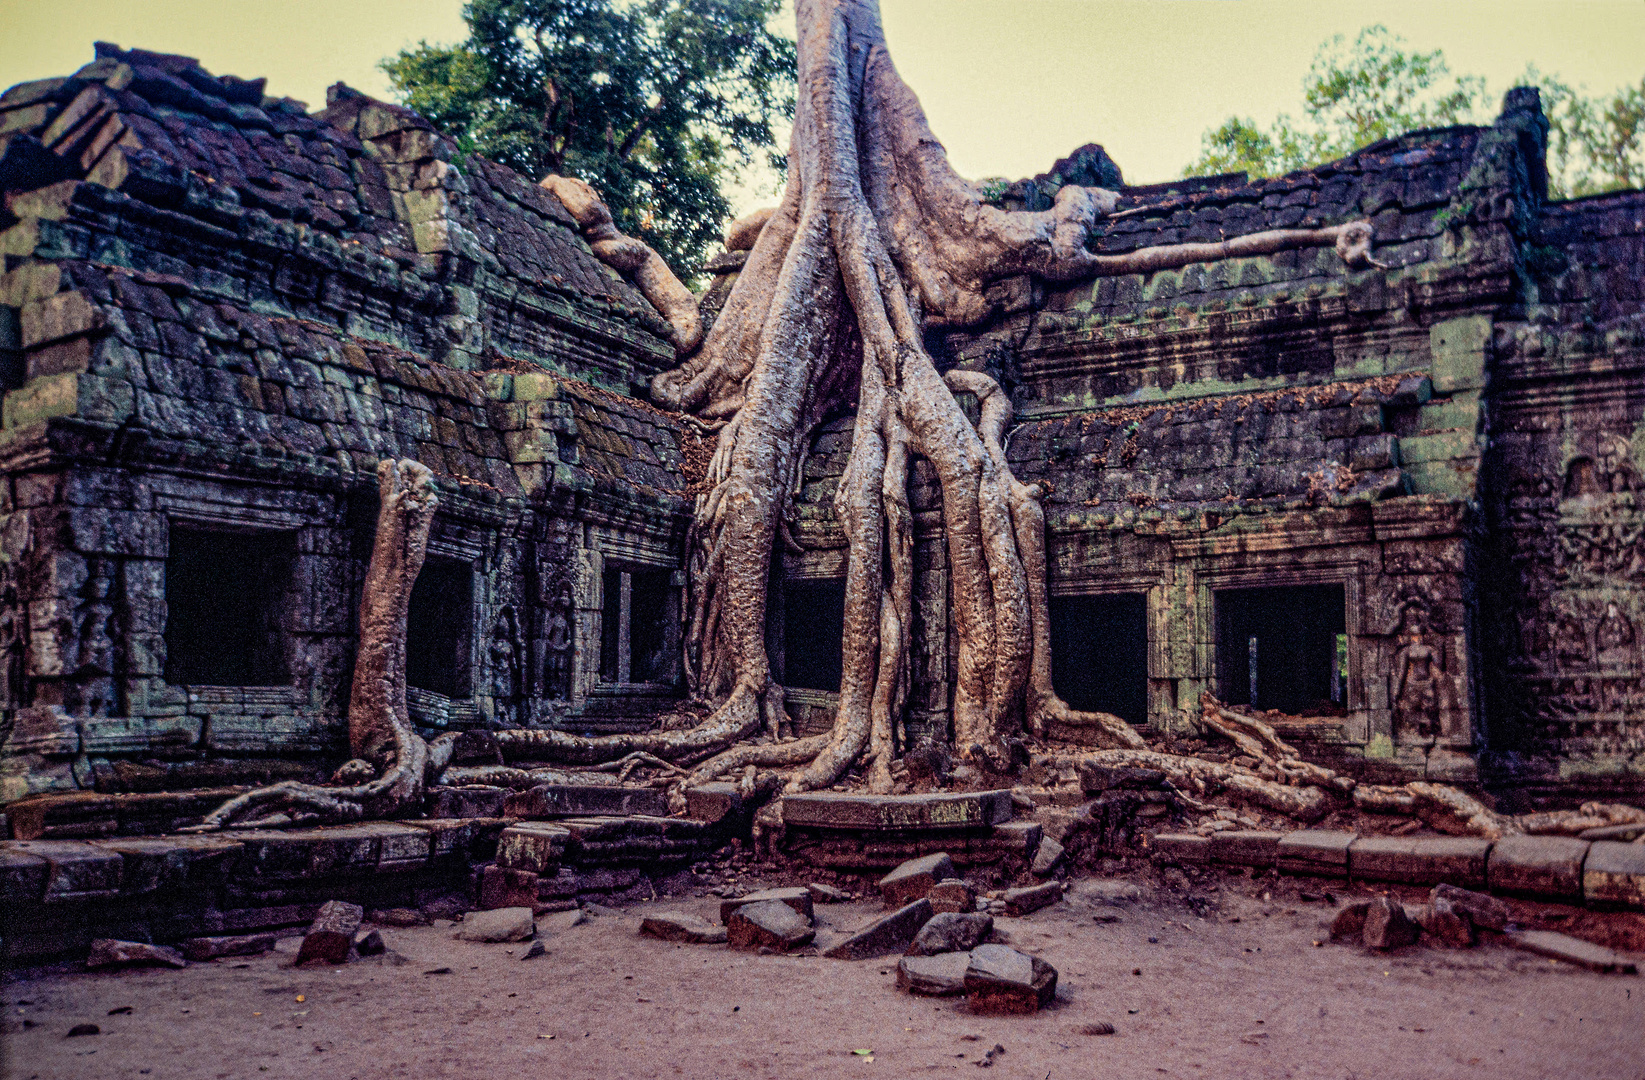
<point>1010,85</point>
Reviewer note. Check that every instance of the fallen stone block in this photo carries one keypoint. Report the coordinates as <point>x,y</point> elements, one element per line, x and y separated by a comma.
<point>1350,920</point>
<point>1246,847</point>
<point>331,935</point>
<point>533,845</point>
<point>1627,833</point>
<point>795,897</point>
<point>1572,950</point>
<point>949,931</point>
<point>399,917</point>
<point>885,936</point>
<point>1420,860</point>
<point>372,944</point>
<point>827,894</point>
<point>585,800</point>
<point>1183,848</point>
<point>1444,924</point>
<point>1319,852</point>
<point>210,948</point>
<point>713,801</point>
<point>1485,912</point>
<point>1014,840</point>
<point>943,810</point>
<point>108,952</point>
<point>1110,891</point>
<point>1046,858</point>
<point>942,975</point>
<point>1614,873</point>
<point>558,922</point>
<point>1548,866</point>
<point>914,878</point>
<point>491,927</point>
<point>682,926</point>
<point>768,923</point>
<point>501,887</point>
<point>1032,898</point>
<point>999,979</point>
<point>1387,926</point>
<point>954,894</point>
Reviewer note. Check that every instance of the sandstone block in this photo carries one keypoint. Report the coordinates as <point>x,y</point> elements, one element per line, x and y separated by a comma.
<point>331,934</point>
<point>955,894</point>
<point>1246,847</point>
<point>1031,899</point>
<point>942,975</point>
<point>534,846</point>
<point>1423,860</point>
<point>1000,979</point>
<point>1387,926</point>
<point>1445,924</point>
<point>952,810</point>
<point>889,934</point>
<point>501,887</point>
<point>1614,873</point>
<point>682,926</point>
<point>1183,848</point>
<point>1548,866</point>
<point>1046,858</point>
<point>503,924</point>
<point>950,931</point>
<point>1350,919</point>
<point>827,894</point>
<point>107,952</point>
<point>914,878</point>
<point>77,870</point>
<point>713,801</point>
<point>768,923</point>
<point>1485,912</point>
<point>796,897</point>
<point>1572,951</point>
<point>465,802</point>
<point>210,948</point>
<point>1321,852</point>
<point>581,800</point>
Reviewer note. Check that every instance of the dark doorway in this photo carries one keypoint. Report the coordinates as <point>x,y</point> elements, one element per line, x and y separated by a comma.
<point>813,630</point>
<point>639,626</point>
<point>223,602</point>
<point>439,628</point>
<point>1099,653</point>
<point>1289,642</point>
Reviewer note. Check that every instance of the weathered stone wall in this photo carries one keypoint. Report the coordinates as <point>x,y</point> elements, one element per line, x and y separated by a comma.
<point>219,312</point>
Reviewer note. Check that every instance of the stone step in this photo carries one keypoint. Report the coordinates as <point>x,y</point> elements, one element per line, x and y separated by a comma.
<point>939,810</point>
<point>84,815</point>
<point>583,800</point>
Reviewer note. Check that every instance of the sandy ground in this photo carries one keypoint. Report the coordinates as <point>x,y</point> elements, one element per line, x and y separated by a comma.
<point>1230,984</point>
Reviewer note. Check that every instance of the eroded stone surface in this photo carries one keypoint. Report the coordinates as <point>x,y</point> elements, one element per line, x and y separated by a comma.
<point>914,878</point>
<point>886,935</point>
<point>951,932</point>
<point>941,975</point>
<point>999,979</point>
<point>502,924</point>
<point>108,952</point>
<point>770,924</point>
<point>682,926</point>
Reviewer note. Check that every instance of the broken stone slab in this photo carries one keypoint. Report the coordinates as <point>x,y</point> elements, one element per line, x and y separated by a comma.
<point>1485,912</point>
<point>1626,833</point>
<point>536,846</point>
<point>827,894</point>
<point>954,894</point>
<point>1109,891</point>
<point>682,926</point>
<point>1387,926</point>
<point>795,897</point>
<point>1046,858</point>
<point>1420,860</point>
<point>1572,950</point>
<point>1548,866</point>
<point>331,935</point>
<point>1246,847</point>
<point>1614,873</point>
<point>585,800</point>
<point>1183,848</point>
<point>768,923</point>
<point>1032,898</point>
<point>109,952</point>
<point>942,975</point>
<point>999,979</point>
<point>501,887</point>
<point>372,944</point>
<point>492,927</point>
<point>1318,852</point>
<point>399,917</point>
<point>885,936</point>
<point>949,931</point>
<point>558,922</point>
<point>914,878</point>
<point>1444,924</point>
<point>713,801</point>
<point>941,810</point>
<point>210,948</point>
<point>1349,921</point>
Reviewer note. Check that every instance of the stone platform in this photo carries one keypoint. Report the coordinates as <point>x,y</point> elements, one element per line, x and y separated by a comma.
<point>851,831</point>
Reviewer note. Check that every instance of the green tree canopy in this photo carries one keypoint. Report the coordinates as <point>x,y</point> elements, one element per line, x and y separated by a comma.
<point>1374,88</point>
<point>657,103</point>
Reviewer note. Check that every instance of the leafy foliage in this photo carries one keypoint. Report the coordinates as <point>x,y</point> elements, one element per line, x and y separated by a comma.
<point>657,103</point>
<point>1375,88</point>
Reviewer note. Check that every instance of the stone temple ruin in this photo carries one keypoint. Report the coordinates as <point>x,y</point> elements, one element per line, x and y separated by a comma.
<point>1397,510</point>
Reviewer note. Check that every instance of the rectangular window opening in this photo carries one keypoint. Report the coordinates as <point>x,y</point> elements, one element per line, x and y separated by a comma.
<point>439,628</point>
<point>639,626</point>
<point>1099,653</point>
<point>1284,648</point>
<point>813,633</point>
<point>224,595</point>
